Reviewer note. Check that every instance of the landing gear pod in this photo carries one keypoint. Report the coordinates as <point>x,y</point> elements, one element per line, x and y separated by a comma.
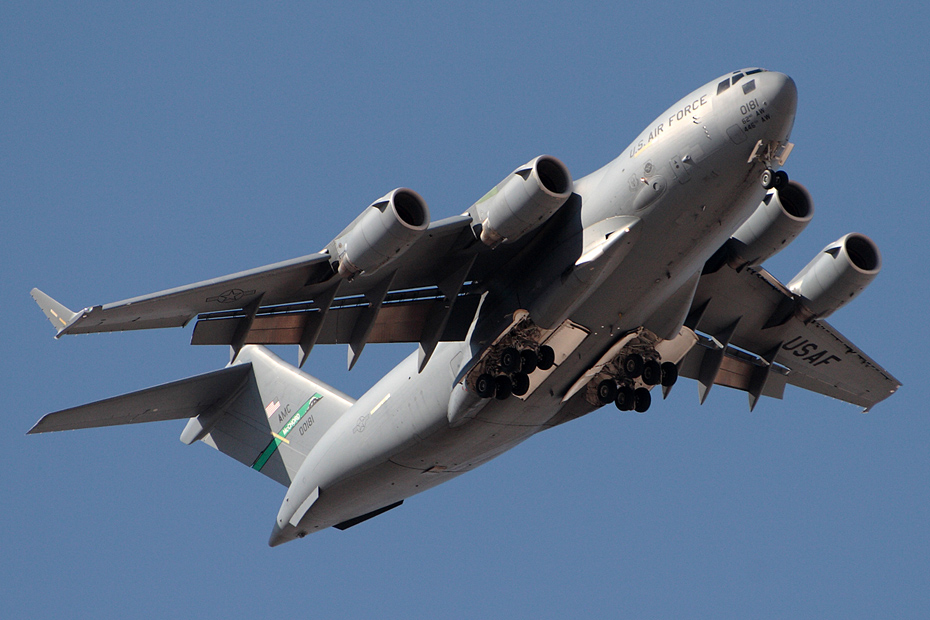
<point>523,201</point>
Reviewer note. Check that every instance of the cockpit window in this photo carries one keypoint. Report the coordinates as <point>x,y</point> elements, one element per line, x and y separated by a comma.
<point>747,88</point>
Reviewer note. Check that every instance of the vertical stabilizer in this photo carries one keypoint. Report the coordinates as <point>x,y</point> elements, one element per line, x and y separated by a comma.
<point>273,421</point>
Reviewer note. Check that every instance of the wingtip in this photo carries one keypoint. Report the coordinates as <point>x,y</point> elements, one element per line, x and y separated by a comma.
<point>57,313</point>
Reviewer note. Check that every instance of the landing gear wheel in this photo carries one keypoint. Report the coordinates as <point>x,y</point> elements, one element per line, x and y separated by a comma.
<point>669,374</point>
<point>652,372</point>
<point>768,178</point>
<point>633,365</point>
<point>641,400</point>
<point>530,360</point>
<point>780,180</point>
<point>510,360</point>
<point>606,391</point>
<point>521,384</point>
<point>625,398</point>
<point>485,386</point>
<point>546,358</point>
<point>503,387</point>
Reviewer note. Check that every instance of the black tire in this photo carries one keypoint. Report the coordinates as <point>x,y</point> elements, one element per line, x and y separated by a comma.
<point>510,360</point>
<point>633,365</point>
<point>780,180</point>
<point>546,357</point>
<point>530,361</point>
<point>625,398</point>
<point>521,384</point>
<point>485,386</point>
<point>607,391</point>
<point>767,179</point>
<point>669,374</point>
<point>652,372</point>
<point>641,400</point>
<point>503,387</point>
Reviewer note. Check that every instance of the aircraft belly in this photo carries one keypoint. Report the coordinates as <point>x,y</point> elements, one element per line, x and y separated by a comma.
<point>664,261</point>
<point>357,475</point>
<point>381,485</point>
<point>465,447</point>
<point>382,456</point>
<point>499,426</point>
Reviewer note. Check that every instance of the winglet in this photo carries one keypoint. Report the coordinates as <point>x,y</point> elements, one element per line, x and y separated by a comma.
<point>59,315</point>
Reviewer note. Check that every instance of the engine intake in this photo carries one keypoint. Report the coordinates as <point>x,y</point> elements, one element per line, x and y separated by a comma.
<point>522,201</point>
<point>838,274</point>
<point>780,218</point>
<point>382,232</point>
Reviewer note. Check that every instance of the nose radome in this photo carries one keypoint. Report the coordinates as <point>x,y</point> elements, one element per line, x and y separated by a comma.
<point>781,93</point>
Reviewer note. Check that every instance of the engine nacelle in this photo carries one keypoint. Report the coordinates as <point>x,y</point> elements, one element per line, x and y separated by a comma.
<point>523,200</point>
<point>780,218</point>
<point>838,274</point>
<point>383,231</point>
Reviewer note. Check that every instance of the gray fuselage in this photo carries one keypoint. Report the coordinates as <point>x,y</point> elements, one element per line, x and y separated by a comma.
<point>688,180</point>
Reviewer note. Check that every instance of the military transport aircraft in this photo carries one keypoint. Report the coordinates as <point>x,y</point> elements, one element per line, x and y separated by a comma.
<point>545,300</point>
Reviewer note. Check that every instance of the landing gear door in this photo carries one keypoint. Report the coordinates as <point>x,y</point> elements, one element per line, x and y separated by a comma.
<point>564,340</point>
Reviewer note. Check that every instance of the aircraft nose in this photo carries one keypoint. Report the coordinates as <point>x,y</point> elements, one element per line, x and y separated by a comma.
<point>781,96</point>
<point>782,91</point>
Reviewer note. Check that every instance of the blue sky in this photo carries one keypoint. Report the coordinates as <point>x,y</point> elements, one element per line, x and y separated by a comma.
<point>150,146</point>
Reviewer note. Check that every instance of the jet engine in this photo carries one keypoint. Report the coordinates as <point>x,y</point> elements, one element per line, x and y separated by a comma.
<point>779,219</point>
<point>383,231</point>
<point>522,201</point>
<point>838,274</point>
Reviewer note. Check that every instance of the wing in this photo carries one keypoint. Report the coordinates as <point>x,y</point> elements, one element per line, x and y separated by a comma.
<point>758,337</point>
<point>430,295</point>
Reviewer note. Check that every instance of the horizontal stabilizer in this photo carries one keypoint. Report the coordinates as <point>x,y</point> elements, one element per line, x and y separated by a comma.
<point>59,315</point>
<point>261,411</point>
<point>172,401</point>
